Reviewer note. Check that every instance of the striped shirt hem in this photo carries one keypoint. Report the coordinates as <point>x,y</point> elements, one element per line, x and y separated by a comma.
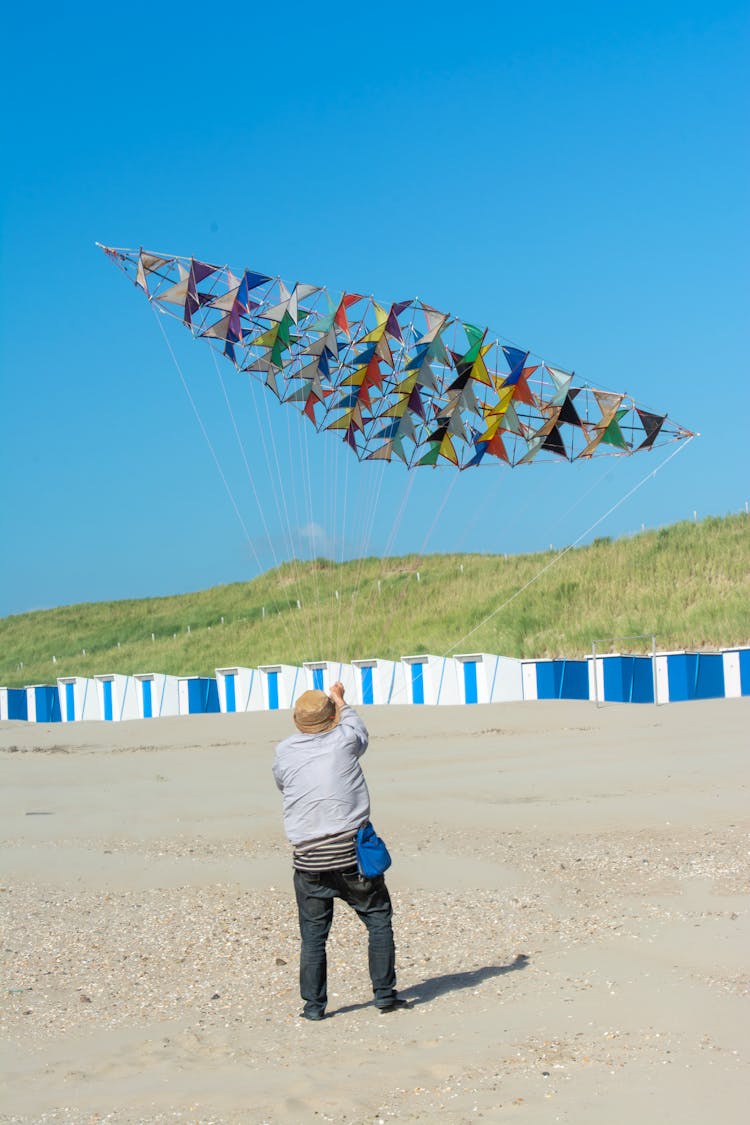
<point>334,853</point>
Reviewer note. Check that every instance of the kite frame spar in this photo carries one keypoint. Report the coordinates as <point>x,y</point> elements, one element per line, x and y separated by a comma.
<point>400,381</point>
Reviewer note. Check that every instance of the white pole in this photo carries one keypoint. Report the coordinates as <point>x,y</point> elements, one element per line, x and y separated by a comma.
<point>596,676</point>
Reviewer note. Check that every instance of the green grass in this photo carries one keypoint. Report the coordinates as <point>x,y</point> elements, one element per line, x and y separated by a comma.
<point>688,583</point>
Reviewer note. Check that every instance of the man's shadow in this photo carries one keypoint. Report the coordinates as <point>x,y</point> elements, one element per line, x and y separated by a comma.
<point>433,987</point>
<point>452,982</point>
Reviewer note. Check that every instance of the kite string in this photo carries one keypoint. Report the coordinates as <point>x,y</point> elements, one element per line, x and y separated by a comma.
<point>370,506</point>
<point>396,603</point>
<point>268,439</point>
<point>341,520</point>
<point>361,518</point>
<point>256,497</point>
<point>248,471</point>
<point>395,527</point>
<point>561,554</point>
<point>345,497</point>
<point>204,431</point>
<point>308,498</point>
<point>220,470</point>
<point>385,560</point>
<point>292,636</point>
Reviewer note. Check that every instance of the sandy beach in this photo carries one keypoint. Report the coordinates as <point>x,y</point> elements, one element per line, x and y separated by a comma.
<point>571,918</point>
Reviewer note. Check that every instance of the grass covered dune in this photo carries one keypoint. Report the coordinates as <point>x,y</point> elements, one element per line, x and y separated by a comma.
<point>688,583</point>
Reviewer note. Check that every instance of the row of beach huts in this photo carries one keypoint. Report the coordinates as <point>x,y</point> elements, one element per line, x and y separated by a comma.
<point>661,677</point>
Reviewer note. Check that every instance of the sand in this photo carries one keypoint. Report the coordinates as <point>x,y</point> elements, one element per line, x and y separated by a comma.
<point>571,919</point>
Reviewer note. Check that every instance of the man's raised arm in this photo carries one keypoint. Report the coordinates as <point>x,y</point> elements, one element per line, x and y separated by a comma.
<point>348,717</point>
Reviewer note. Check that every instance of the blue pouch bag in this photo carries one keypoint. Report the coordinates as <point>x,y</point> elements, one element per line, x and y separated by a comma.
<point>373,857</point>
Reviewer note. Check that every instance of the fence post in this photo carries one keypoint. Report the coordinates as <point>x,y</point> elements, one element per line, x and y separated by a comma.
<point>596,678</point>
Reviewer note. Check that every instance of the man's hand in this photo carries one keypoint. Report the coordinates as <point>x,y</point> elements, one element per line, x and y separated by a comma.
<point>336,692</point>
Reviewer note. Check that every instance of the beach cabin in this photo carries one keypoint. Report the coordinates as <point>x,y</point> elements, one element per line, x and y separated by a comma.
<point>424,679</point>
<point>156,695</point>
<point>619,678</point>
<point>689,675</point>
<point>43,703</point>
<point>280,686</point>
<point>116,697</point>
<point>555,679</point>
<point>239,689</point>
<point>482,677</point>
<point>78,698</point>
<point>378,681</point>
<point>736,663</point>
<point>197,695</point>
<point>320,674</point>
<point>13,704</point>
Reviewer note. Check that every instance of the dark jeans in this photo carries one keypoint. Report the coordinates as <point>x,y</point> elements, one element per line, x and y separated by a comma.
<point>370,899</point>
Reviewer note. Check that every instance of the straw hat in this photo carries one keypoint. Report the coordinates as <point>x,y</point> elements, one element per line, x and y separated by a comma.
<point>315,713</point>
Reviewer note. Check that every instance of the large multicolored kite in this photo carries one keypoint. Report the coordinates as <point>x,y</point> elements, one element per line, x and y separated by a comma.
<point>399,381</point>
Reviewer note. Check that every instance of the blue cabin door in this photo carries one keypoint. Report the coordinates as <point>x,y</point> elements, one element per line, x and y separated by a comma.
<point>210,696</point>
<point>367,692</point>
<point>146,696</point>
<point>470,681</point>
<point>709,676</point>
<point>417,683</point>
<point>107,699</point>
<point>273,691</point>
<point>47,700</point>
<point>17,704</point>
<point>744,655</point>
<point>229,691</point>
<point>614,675</point>
<point>318,679</point>
<point>70,702</point>
<point>195,697</point>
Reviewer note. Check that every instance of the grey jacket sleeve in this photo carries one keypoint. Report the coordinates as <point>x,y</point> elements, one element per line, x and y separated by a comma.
<point>352,724</point>
<point>276,770</point>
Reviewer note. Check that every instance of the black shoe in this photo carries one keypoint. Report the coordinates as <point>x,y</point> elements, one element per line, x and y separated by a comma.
<point>314,1016</point>
<point>394,1005</point>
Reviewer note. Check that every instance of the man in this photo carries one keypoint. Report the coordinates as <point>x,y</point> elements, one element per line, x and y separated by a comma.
<point>325,802</point>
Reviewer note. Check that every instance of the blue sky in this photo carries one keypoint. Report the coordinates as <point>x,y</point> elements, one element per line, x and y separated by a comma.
<point>574,176</point>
